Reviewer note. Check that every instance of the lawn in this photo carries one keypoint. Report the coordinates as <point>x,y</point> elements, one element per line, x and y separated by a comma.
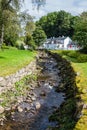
<point>80,67</point>
<point>11,60</point>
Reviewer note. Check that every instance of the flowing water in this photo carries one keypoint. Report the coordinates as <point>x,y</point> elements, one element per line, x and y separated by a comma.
<point>45,100</point>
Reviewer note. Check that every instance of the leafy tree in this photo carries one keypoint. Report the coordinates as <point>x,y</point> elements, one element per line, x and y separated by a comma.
<point>63,23</point>
<point>48,24</point>
<point>38,3</point>
<point>10,6</point>
<point>80,34</point>
<point>30,27</point>
<point>73,22</point>
<point>12,28</point>
<point>30,42</point>
<point>57,24</point>
<point>39,36</point>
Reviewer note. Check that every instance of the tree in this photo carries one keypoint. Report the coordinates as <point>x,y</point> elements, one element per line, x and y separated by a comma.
<point>12,28</point>
<point>30,27</point>
<point>80,34</point>
<point>38,3</point>
<point>29,41</point>
<point>57,24</point>
<point>10,6</point>
<point>63,23</point>
<point>48,24</point>
<point>39,36</point>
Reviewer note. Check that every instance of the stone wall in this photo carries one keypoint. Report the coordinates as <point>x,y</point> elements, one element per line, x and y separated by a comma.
<point>8,82</point>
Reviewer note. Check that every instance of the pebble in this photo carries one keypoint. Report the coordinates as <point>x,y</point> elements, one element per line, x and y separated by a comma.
<point>1,123</point>
<point>20,109</point>
<point>85,106</point>
<point>43,93</point>
<point>33,98</point>
<point>37,105</point>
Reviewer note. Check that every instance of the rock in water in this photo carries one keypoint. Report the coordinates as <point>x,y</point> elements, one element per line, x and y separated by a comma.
<point>43,93</point>
<point>20,109</point>
<point>37,105</point>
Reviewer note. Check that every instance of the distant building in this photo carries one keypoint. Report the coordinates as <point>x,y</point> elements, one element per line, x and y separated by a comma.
<point>64,43</point>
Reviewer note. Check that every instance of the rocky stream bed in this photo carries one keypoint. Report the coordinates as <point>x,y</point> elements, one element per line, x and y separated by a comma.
<point>33,112</point>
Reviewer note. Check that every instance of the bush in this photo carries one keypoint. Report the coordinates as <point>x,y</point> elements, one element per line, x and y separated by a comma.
<point>73,54</point>
<point>19,44</point>
<point>65,52</point>
<point>82,58</point>
<point>4,46</point>
<point>30,42</point>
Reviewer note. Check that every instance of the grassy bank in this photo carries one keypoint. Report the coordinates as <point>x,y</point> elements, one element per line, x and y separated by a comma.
<point>73,113</point>
<point>11,60</point>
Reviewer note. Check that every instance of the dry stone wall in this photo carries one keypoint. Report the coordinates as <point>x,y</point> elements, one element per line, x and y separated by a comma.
<point>8,82</point>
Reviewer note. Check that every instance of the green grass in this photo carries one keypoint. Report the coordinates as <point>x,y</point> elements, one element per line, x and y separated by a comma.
<point>81,82</point>
<point>11,60</point>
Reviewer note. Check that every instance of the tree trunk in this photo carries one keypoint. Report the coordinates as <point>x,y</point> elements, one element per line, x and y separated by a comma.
<point>2,35</point>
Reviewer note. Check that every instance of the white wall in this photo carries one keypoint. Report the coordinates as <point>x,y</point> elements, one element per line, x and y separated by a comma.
<point>67,41</point>
<point>50,46</point>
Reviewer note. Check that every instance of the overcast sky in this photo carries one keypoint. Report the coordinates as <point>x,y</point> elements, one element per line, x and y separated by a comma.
<point>75,7</point>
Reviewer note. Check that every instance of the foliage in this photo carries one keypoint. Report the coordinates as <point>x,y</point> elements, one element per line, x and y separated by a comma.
<point>12,28</point>
<point>38,3</point>
<point>73,54</point>
<point>4,46</point>
<point>26,21</point>
<point>58,24</point>
<point>78,57</point>
<point>82,58</point>
<point>80,34</point>
<point>9,21</point>
<point>20,44</point>
<point>30,42</point>
<point>30,27</point>
<point>39,36</point>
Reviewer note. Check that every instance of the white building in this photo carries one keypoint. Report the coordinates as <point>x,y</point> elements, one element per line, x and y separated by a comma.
<point>64,43</point>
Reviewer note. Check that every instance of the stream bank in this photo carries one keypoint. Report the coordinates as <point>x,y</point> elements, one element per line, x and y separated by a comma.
<point>69,111</point>
<point>34,108</point>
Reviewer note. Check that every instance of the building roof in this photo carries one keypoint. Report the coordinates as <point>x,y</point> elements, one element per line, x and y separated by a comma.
<point>56,38</point>
<point>61,38</point>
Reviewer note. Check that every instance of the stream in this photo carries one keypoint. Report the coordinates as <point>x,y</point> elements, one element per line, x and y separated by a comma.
<point>34,115</point>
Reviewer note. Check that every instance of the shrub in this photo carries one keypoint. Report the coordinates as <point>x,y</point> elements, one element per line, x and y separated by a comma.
<point>73,54</point>
<point>65,52</point>
<point>82,58</point>
<point>19,44</point>
<point>4,46</point>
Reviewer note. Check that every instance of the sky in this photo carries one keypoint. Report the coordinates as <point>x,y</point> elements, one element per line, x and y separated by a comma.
<point>75,7</point>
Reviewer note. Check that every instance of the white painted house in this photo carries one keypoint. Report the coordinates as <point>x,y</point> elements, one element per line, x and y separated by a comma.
<point>64,43</point>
